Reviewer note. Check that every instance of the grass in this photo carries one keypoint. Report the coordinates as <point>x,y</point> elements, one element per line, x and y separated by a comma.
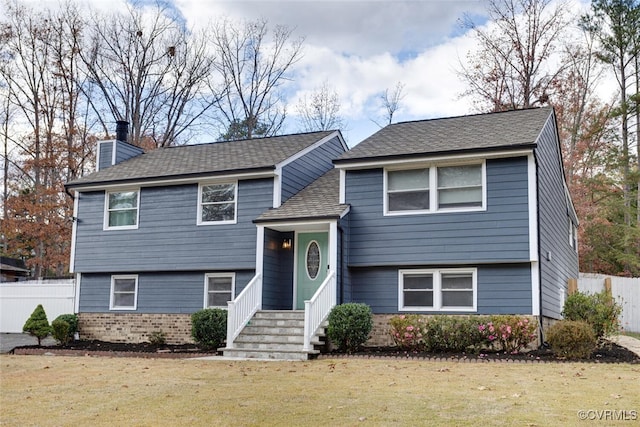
<point>56,390</point>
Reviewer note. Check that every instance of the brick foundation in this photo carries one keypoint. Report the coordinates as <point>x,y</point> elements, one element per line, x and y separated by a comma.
<point>134,327</point>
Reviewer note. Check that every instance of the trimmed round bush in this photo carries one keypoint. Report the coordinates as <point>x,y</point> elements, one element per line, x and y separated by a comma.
<point>349,326</point>
<point>572,339</point>
<point>209,327</point>
<point>65,334</point>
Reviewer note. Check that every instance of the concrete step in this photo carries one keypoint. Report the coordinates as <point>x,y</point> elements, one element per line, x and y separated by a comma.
<point>272,330</point>
<point>248,353</point>
<point>277,339</point>
<point>280,314</point>
<point>273,322</point>
<point>274,334</point>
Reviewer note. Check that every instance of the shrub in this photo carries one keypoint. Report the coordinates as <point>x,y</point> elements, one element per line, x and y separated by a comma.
<point>37,324</point>
<point>64,334</point>
<point>160,338</point>
<point>453,333</point>
<point>407,331</point>
<point>514,333</point>
<point>599,310</point>
<point>572,339</point>
<point>60,330</point>
<point>350,325</point>
<point>209,327</point>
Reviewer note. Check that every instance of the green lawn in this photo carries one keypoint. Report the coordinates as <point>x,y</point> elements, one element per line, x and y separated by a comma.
<point>56,390</point>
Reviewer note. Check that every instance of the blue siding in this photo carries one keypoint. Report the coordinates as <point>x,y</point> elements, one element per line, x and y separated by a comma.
<point>303,171</point>
<point>167,238</point>
<point>106,154</point>
<point>277,288</point>
<point>553,219</point>
<point>502,289</point>
<point>126,151</point>
<point>499,234</point>
<point>344,273</point>
<point>158,292</point>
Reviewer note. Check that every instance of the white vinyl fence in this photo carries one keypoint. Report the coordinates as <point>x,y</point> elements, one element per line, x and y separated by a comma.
<point>19,299</point>
<point>625,290</point>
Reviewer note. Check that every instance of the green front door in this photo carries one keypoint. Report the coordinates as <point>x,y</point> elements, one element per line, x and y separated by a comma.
<point>312,265</point>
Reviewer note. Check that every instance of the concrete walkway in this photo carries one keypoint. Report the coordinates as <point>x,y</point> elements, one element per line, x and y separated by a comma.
<point>9,341</point>
<point>630,343</point>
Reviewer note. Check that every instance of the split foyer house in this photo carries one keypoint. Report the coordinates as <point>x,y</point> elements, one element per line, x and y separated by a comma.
<point>464,215</point>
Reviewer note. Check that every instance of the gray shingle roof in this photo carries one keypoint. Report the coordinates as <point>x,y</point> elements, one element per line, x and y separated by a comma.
<point>320,199</point>
<point>511,129</point>
<point>215,158</point>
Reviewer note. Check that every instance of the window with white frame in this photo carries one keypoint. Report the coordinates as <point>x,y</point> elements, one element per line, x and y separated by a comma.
<point>408,190</point>
<point>124,292</point>
<point>219,289</point>
<point>573,235</point>
<point>217,203</point>
<point>460,186</point>
<point>121,209</point>
<point>437,290</point>
<point>435,188</point>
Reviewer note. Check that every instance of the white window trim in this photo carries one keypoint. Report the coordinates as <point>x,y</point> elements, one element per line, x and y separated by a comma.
<point>206,288</point>
<point>105,225</point>
<point>235,201</point>
<point>111,294</point>
<point>437,289</point>
<point>433,189</point>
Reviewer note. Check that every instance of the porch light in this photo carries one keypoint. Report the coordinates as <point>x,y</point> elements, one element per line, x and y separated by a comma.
<point>286,243</point>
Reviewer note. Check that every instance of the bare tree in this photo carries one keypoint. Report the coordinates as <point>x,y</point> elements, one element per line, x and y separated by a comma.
<point>320,110</point>
<point>253,64</point>
<point>151,72</point>
<point>514,66</point>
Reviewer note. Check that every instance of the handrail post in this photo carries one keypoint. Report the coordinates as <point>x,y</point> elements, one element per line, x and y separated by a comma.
<point>231,311</point>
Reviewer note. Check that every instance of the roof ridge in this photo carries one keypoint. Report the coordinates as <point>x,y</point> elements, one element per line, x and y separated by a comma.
<point>249,139</point>
<point>465,116</point>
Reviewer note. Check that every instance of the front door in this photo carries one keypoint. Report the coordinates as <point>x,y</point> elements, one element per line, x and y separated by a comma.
<point>312,265</point>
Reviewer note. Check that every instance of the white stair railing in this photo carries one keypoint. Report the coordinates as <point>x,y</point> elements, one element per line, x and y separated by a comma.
<point>318,307</point>
<point>243,307</point>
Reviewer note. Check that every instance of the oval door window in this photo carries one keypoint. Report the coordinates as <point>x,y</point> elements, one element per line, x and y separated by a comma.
<point>313,260</point>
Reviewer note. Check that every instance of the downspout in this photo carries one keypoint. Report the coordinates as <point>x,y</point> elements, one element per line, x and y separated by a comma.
<point>540,260</point>
<point>341,261</point>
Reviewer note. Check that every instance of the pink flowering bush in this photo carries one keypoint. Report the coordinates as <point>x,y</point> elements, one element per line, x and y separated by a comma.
<point>455,333</point>
<point>513,333</point>
<point>407,331</point>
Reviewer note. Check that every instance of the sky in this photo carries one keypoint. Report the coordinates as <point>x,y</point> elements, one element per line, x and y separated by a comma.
<point>360,48</point>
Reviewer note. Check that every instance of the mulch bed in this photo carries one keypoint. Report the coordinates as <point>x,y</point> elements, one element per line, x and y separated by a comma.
<point>610,353</point>
<point>112,349</point>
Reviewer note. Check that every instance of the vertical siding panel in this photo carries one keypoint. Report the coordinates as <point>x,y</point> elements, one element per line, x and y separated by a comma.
<point>558,260</point>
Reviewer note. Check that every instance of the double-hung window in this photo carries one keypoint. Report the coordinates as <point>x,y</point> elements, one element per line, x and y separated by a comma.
<point>218,289</point>
<point>217,203</point>
<point>124,292</point>
<point>437,290</point>
<point>121,210</point>
<point>435,188</point>
<point>408,190</point>
<point>460,186</point>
